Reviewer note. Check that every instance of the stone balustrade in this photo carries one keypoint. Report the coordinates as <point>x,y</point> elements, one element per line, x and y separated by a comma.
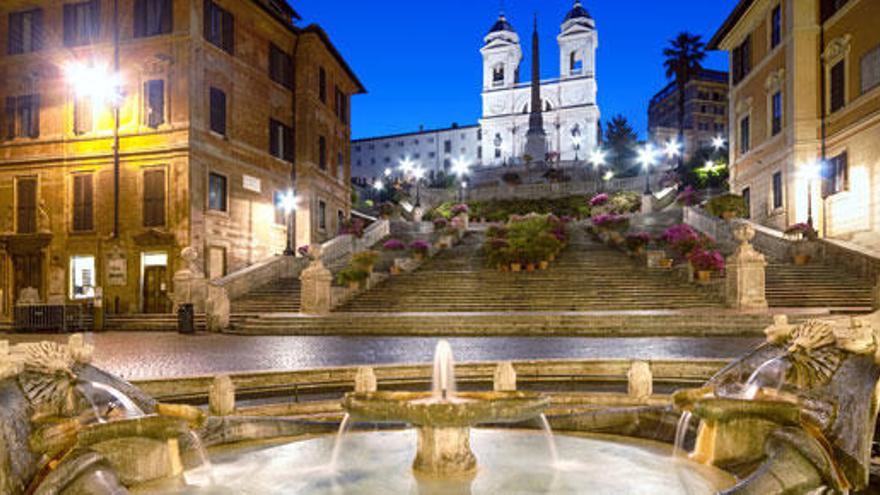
<point>553,190</point>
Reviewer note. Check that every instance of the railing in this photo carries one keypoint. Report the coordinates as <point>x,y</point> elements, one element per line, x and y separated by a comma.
<point>52,318</point>
<point>561,189</point>
<point>713,227</point>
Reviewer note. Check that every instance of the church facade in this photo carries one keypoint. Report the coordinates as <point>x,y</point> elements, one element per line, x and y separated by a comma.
<point>570,111</point>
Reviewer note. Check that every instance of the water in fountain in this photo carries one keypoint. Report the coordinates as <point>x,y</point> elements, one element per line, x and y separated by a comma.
<point>551,440</point>
<point>344,426</point>
<point>443,380</point>
<point>99,416</point>
<point>681,431</point>
<point>97,393</point>
<point>203,475</point>
<point>768,376</point>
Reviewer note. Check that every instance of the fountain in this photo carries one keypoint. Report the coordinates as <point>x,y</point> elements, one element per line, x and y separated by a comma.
<point>443,418</point>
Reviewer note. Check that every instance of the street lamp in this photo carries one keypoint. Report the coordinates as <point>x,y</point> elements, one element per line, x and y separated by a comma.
<point>576,139</point>
<point>810,171</point>
<point>597,159</point>
<point>388,172</point>
<point>461,168</point>
<point>287,203</point>
<point>407,166</point>
<point>718,142</point>
<point>418,173</point>
<point>647,157</point>
<point>673,148</point>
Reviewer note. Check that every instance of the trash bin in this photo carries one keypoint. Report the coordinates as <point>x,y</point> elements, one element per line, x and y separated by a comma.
<point>186,319</point>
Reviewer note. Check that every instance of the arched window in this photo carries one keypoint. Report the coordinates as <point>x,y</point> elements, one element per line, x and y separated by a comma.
<point>577,64</point>
<point>498,75</point>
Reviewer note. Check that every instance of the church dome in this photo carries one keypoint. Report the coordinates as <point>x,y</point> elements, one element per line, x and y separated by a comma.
<point>577,12</point>
<point>502,25</point>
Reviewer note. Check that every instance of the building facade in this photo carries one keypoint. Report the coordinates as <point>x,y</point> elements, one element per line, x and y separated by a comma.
<point>705,111</point>
<point>106,174</point>
<point>805,112</point>
<point>570,110</point>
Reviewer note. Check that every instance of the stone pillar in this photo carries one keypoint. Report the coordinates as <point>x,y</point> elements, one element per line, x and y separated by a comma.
<point>217,309</point>
<point>444,452</point>
<point>190,285</point>
<point>647,203</point>
<point>221,396</point>
<point>316,294</point>
<point>505,377</point>
<point>365,380</point>
<point>745,284</point>
<point>640,381</point>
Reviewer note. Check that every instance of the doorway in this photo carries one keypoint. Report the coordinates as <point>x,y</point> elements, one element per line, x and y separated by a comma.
<point>155,283</point>
<point>27,272</point>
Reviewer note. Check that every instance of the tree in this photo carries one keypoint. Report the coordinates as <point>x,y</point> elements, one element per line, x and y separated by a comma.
<point>684,61</point>
<point>621,139</point>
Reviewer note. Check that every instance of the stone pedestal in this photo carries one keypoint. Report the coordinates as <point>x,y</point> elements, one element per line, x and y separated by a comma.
<point>505,377</point>
<point>640,381</point>
<point>445,452</point>
<point>316,294</point>
<point>221,396</point>
<point>365,380</point>
<point>745,283</point>
<point>647,203</point>
<point>417,214</point>
<point>217,309</point>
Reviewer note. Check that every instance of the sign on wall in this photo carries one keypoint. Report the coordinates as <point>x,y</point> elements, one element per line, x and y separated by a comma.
<point>251,184</point>
<point>117,269</point>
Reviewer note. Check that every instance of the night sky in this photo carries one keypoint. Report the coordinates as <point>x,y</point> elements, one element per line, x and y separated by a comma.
<point>421,64</point>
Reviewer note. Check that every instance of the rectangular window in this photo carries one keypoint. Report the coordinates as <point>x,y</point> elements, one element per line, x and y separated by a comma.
<point>777,190</point>
<point>322,215</point>
<point>479,152</point>
<point>447,146</point>
<point>26,205</point>
<point>280,140</point>
<point>217,192</point>
<point>280,66</point>
<point>776,125</point>
<point>23,116</point>
<point>82,277</point>
<point>871,70</point>
<point>219,27</point>
<point>340,165</point>
<point>776,26</point>
<point>154,98</point>
<point>218,111</point>
<point>25,32</point>
<point>280,214</point>
<point>82,22</point>
<point>745,141</point>
<point>830,7</point>
<point>322,85</point>
<point>82,115</point>
<point>838,174</point>
<point>342,106</point>
<point>83,203</point>
<point>497,152</point>
<point>154,198</point>
<point>747,200</point>
<point>322,152</point>
<point>152,17</point>
<point>742,60</point>
<point>838,86</point>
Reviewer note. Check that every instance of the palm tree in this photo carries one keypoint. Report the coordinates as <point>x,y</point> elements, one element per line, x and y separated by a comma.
<point>684,60</point>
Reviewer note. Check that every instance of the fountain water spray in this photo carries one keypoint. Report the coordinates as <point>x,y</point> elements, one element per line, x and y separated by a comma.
<point>443,380</point>
<point>344,426</point>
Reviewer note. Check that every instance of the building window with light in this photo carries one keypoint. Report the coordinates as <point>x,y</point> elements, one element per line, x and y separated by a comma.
<point>280,140</point>
<point>22,116</point>
<point>218,111</point>
<point>219,27</point>
<point>322,152</point>
<point>838,174</point>
<point>280,214</point>
<point>837,86</point>
<point>154,198</point>
<point>777,191</point>
<point>82,23</point>
<point>153,17</point>
<point>82,277</point>
<point>745,141</point>
<point>83,203</point>
<point>154,100</point>
<point>217,192</point>
<point>776,113</point>
<point>82,115</point>
<point>25,32</point>
<point>26,205</point>
<point>776,26</point>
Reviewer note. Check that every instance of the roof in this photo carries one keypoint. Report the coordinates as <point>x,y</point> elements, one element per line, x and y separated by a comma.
<point>741,8</point>
<point>416,133</point>
<point>577,12</point>
<point>502,24</point>
<point>704,75</point>
<point>322,35</point>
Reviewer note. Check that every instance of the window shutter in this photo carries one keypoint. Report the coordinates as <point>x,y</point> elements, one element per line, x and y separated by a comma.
<point>218,111</point>
<point>288,144</point>
<point>228,32</point>
<point>167,16</point>
<point>69,24</point>
<point>15,33</point>
<point>273,137</point>
<point>838,80</point>
<point>206,21</point>
<point>140,18</point>
<point>34,131</point>
<point>88,202</point>
<point>10,117</point>
<point>83,203</point>
<point>95,21</point>
<point>27,205</point>
<point>154,198</point>
<point>155,92</point>
<point>37,30</point>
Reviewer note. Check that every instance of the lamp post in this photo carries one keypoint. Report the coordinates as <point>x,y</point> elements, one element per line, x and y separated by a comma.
<point>718,143</point>
<point>287,204</point>
<point>647,157</point>
<point>576,140</point>
<point>673,149</point>
<point>378,187</point>
<point>597,159</point>
<point>461,168</point>
<point>810,172</point>
<point>418,173</point>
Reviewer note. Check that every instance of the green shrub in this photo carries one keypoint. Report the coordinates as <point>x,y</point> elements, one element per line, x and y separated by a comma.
<point>725,203</point>
<point>351,275</point>
<point>364,259</point>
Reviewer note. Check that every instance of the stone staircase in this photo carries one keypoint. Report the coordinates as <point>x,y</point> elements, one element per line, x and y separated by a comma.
<point>817,286</point>
<point>279,296</point>
<point>164,322</point>
<point>588,276</point>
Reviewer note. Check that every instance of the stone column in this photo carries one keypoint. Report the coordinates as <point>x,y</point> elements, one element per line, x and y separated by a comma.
<point>316,295</point>
<point>745,284</point>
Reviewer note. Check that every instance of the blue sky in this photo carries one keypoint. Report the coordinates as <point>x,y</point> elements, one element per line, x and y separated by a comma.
<point>421,64</point>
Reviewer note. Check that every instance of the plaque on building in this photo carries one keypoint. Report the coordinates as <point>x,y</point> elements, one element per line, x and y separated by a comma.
<point>117,269</point>
<point>252,184</point>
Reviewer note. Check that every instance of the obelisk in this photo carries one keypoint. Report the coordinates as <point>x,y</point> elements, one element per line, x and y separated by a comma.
<point>536,138</point>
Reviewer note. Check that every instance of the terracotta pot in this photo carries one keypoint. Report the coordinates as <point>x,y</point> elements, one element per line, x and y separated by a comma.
<point>728,215</point>
<point>515,267</point>
<point>395,270</point>
<point>666,263</point>
<point>802,259</point>
<point>354,285</point>
<point>530,267</point>
<point>544,265</point>
<point>704,276</point>
<point>419,256</point>
<point>552,257</point>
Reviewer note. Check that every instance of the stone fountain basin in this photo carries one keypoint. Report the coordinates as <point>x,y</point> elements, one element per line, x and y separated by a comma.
<point>465,409</point>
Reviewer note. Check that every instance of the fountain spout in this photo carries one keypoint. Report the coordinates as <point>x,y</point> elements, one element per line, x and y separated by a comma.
<point>443,379</point>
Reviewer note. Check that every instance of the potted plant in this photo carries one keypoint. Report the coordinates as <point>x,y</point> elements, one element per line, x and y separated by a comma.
<point>803,236</point>
<point>420,249</point>
<point>688,197</point>
<point>440,223</point>
<point>705,262</point>
<point>365,259</point>
<point>353,227</point>
<point>727,206</point>
<point>637,242</point>
<point>353,277</point>
<point>394,245</point>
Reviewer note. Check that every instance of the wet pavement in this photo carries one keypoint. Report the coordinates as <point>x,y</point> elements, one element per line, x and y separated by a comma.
<point>139,355</point>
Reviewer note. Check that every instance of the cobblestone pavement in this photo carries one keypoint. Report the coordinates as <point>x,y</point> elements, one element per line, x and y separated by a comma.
<point>139,355</point>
